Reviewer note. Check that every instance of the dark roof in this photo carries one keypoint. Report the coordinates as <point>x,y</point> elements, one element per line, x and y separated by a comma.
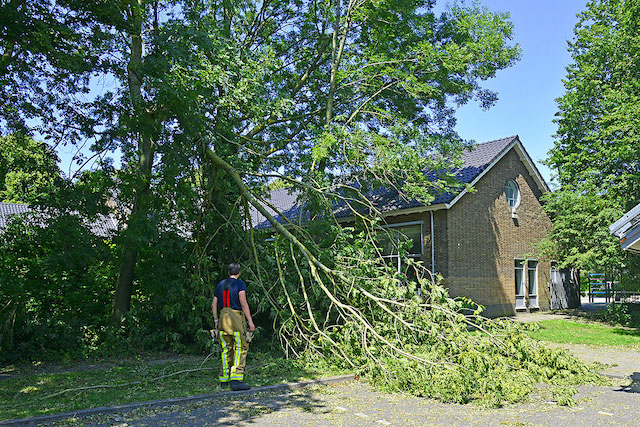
<point>7,210</point>
<point>103,226</point>
<point>474,161</point>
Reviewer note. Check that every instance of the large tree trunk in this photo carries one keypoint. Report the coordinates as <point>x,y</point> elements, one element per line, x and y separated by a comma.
<point>124,284</point>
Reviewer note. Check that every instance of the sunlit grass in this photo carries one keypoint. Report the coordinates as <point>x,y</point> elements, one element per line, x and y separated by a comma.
<point>128,381</point>
<point>578,332</point>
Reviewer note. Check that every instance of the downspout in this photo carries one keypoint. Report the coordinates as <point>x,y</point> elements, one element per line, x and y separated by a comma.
<point>433,251</point>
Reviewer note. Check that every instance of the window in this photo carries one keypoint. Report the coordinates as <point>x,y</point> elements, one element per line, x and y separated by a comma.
<point>532,276</point>
<point>526,273</point>
<point>532,281</point>
<point>407,236</point>
<point>519,266</point>
<point>555,273</point>
<point>521,303</point>
<point>512,193</point>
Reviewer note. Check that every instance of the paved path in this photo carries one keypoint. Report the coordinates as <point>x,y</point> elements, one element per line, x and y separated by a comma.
<point>356,404</point>
<point>617,363</point>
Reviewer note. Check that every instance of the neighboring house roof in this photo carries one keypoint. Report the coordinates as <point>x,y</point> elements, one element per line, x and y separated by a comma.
<point>476,162</point>
<point>104,226</point>
<point>627,230</point>
<point>7,210</point>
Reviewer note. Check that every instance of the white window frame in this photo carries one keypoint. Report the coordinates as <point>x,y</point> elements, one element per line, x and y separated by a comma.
<point>533,297</point>
<point>397,256</point>
<point>521,303</point>
<point>516,188</point>
<point>554,271</point>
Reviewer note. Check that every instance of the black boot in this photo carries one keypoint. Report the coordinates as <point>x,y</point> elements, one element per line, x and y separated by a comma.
<point>238,385</point>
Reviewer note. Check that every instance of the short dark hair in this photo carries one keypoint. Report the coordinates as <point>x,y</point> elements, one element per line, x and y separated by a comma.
<point>234,269</point>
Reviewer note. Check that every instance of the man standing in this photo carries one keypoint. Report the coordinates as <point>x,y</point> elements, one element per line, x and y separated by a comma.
<point>230,299</point>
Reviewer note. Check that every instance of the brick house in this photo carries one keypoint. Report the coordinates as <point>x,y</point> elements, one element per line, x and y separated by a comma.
<point>483,243</point>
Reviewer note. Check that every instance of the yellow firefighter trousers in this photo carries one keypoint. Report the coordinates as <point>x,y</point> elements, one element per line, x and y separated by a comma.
<point>232,334</point>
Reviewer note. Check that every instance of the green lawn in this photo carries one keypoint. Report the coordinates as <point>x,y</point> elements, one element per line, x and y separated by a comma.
<point>28,394</point>
<point>577,332</point>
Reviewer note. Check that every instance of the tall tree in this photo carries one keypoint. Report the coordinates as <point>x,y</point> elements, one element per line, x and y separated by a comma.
<point>336,99</point>
<point>316,90</point>
<point>143,131</point>
<point>597,149</point>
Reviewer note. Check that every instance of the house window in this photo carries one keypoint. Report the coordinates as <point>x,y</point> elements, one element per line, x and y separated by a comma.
<point>555,273</point>
<point>519,266</point>
<point>526,274</point>
<point>512,193</point>
<point>409,237</point>
<point>521,303</point>
<point>532,282</point>
<point>532,276</point>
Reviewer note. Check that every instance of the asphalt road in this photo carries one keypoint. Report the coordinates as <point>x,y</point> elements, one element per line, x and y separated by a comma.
<point>354,403</point>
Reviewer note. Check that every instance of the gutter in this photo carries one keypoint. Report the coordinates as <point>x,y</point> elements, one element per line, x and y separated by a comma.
<point>433,250</point>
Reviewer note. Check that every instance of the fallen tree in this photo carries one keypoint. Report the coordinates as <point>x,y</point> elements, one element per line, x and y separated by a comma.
<point>378,118</point>
<point>404,336</point>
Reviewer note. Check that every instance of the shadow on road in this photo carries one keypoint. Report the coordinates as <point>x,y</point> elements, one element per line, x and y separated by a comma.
<point>634,387</point>
<point>232,410</point>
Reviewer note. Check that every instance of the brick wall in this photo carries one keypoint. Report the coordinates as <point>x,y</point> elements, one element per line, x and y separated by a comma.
<point>482,239</point>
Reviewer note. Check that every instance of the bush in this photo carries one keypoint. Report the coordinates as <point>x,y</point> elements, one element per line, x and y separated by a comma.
<point>55,284</point>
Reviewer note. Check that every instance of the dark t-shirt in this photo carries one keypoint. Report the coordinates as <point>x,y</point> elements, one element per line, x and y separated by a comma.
<point>227,293</point>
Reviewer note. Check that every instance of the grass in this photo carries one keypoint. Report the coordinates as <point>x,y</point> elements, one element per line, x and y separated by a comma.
<point>579,332</point>
<point>29,394</point>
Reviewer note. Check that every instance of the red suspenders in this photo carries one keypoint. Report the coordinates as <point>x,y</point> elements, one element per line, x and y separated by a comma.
<point>226,298</point>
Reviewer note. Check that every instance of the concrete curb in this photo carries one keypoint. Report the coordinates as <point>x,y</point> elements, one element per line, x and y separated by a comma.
<point>170,402</point>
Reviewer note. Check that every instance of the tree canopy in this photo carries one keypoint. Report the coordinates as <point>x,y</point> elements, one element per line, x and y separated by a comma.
<point>29,170</point>
<point>597,150</point>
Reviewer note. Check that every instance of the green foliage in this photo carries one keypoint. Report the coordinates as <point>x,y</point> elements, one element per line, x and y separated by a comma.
<point>47,52</point>
<point>55,284</point>
<point>339,99</point>
<point>259,84</point>
<point>588,246</point>
<point>619,314</point>
<point>463,367</point>
<point>596,151</point>
<point>28,169</point>
<point>428,345</point>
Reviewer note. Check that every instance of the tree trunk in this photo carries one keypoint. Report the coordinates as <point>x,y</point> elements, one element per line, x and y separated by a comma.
<point>124,284</point>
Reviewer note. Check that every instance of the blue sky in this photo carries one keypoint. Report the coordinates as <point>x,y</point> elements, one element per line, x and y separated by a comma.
<point>527,91</point>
